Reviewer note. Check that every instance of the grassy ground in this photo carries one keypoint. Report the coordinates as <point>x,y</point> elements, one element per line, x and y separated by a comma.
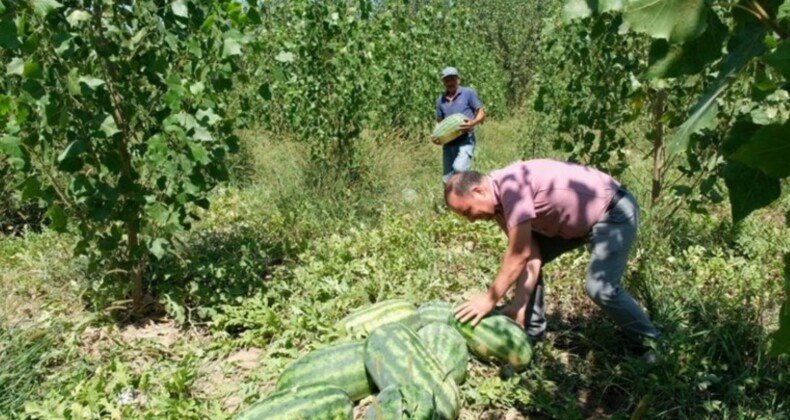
<point>272,266</point>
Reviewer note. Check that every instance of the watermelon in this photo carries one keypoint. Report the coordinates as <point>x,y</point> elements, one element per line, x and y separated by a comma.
<point>448,129</point>
<point>318,401</point>
<point>402,403</point>
<point>362,321</point>
<point>435,311</point>
<point>497,337</point>
<point>449,347</point>
<point>341,365</point>
<point>394,355</point>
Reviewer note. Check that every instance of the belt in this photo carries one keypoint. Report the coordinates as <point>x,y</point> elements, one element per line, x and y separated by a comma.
<point>617,196</point>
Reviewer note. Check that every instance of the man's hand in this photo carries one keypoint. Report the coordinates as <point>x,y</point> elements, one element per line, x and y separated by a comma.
<point>468,125</point>
<point>475,309</point>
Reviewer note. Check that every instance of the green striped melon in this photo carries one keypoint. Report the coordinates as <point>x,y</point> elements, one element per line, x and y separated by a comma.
<point>318,401</point>
<point>435,311</point>
<point>449,347</point>
<point>497,337</point>
<point>402,402</point>
<point>448,129</point>
<point>362,321</point>
<point>394,355</point>
<point>341,365</point>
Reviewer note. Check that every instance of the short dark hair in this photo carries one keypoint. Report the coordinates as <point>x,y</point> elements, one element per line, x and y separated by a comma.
<point>461,183</point>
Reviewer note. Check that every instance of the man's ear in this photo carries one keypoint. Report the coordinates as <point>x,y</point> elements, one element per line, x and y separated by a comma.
<point>478,189</point>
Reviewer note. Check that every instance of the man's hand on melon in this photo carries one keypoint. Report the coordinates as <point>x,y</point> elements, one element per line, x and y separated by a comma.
<point>468,125</point>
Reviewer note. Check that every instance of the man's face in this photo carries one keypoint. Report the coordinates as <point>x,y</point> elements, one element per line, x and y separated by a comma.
<point>477,205</point>
<point>450,83</point>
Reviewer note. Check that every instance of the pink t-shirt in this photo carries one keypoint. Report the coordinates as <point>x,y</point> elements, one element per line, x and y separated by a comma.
<point>559,198</point>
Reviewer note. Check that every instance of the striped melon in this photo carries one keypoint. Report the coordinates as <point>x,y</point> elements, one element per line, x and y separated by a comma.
<point>402,403</point>
<point>309,402</point>
<point>394,355</point>
<point>341,365</point>
<point>448,129</point>
<point>435,311</point>
<point>497,337</point>
<point>362,321</point>
<point>449,348</point>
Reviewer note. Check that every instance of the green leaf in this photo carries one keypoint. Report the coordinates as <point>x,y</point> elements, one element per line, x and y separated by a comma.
<point>2,6</point>
<point>73,150</point>
<point>58,217</point>
<point>780,343</point>
<point>575,9</point>
<point>749,189</point>
<point>74,18</point>
<point>180,8</point>
<point>44,7</point>
<point>284,57</point>
<point>780,59</point>
<point>230,47</point>
<point>32,70</point>
<point>199,153</point>
<point>10,145</point>
<point>109,127</point>
<point>691,57</point>
<point>746,44</point>
<point>73,82</point>
<point>91,82</point>
<point>202,134</point>
<point>767,150</point>
<point>31,188</point>
<point>157,248</point>
<point>197,88</point>
<point>15,66</point>
<point>673,20</point>
<point>8,35</point>
<point>208,115</point>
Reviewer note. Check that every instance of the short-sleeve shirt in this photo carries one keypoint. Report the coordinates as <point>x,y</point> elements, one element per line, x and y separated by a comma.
<point>559,198</point>
<point>464,102</point>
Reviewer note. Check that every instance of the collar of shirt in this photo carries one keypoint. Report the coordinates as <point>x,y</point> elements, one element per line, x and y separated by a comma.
<point>495,194</point>
<point>446,96</point>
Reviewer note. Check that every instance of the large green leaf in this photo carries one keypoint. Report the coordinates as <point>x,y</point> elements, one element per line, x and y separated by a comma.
<point>44,7</point>
<point>781,338</point>
<point>749,188</point>
<point>691,57</point>
<point>780,59</point>
<point>767,150</point>
<point>576,9</point>
<point>673,20</point>
<point>744,46</point>
<point>8,34</point>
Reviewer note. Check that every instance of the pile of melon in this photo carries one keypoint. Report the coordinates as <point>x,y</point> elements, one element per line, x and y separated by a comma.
<point>411,359</point>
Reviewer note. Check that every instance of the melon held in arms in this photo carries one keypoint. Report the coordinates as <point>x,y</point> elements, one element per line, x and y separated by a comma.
<point>497,337</point>
<point>448,129</point>
<point>394,355</point>
<point>309,402</point>
<point>341,365</point>
<point>362,321</point>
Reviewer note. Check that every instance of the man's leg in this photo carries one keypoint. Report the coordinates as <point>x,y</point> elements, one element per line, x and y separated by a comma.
<point>449,152</point>
<point>611,240</point>
<point>550,248</point>
<point>466,151</point>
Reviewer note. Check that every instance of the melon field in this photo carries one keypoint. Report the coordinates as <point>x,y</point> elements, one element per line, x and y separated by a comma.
<point>195,196</point>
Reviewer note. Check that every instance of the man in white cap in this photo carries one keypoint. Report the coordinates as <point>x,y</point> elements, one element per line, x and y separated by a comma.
<point>457,155</point>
